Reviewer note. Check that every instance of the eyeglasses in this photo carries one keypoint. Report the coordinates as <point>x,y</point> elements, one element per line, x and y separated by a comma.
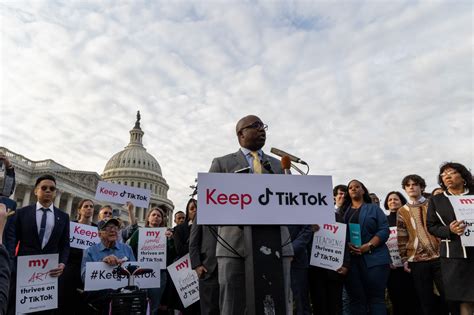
<point>107,213</point>
<point>450,173</point>
<point>256,125</point>
<point>51,188</point>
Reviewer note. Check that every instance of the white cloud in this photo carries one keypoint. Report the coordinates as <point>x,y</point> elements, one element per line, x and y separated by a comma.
<point>359,90</point>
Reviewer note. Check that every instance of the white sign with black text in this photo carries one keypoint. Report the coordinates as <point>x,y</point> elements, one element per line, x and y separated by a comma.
<point>242,199</point>
<point>464,209</point>
<point>185,280</point>
<point>83,236</point>
<point>152,246</point>
<point>36,290</point>
<point>101,276</point>
<point>120,194</point>
<point>329,243</point>
<point>392,244</point>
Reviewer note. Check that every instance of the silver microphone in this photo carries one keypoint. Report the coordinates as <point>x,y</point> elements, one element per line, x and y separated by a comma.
<point>282,153</point>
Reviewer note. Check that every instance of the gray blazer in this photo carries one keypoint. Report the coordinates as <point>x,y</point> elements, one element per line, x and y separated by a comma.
<point>202,247</point>
<point>234,235</point>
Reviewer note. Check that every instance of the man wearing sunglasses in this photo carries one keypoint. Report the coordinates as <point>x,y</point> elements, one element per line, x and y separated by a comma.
<point>231,256</point>
<point>40,228</point>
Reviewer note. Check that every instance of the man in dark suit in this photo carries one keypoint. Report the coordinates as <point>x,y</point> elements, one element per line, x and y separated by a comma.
<point>202,250</point>
<point>231,256</point>
<point>41,228</point>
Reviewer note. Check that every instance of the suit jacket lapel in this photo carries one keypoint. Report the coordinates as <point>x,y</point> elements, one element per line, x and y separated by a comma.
<point>31,215</point>
<point>241,160</point>
<point>57,220</point>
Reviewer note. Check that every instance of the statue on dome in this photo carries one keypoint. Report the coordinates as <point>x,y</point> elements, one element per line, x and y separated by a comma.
<point>137,123</point>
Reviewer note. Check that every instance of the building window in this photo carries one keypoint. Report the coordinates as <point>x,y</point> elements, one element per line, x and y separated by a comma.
<point>138,184</point>
<point>144,185</point>
<point>132,184</point>
<point>125,183</point>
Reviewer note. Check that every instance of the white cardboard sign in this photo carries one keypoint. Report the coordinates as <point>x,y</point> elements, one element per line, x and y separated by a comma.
<point>392,244</point>
<point>152,246</point>
<point>36,290</point>
<point>83,236</point>
<point>185,280</point>
<point>464,209</point>
<point>243,199</point>
<point>100,276</point>
<point>120,194</point>
<point>328,246</point>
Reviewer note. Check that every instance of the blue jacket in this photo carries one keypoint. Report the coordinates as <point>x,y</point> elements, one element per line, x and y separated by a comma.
<point>373,221</point>
<point>301,239</point>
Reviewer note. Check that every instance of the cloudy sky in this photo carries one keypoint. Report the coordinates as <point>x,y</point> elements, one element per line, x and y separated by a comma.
<point>372,90</point>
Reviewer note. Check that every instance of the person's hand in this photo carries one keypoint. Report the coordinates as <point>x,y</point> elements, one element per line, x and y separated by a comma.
<point>112,260</point>
<point>56,272</point>
<point>392,266</point>
<point>169,233</point>
<point>354,250</point>
<point>342,271</point>
<point>315,227</point>
<point>3,219</point>
<point>405,267</point>
<point>129,206</point>
<point>457,227</point>
<point>5,160</point>
<point>364,248</point>
<point>200,270</point>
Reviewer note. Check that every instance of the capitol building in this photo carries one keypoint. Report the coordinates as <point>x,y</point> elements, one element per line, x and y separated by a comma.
<point>133,166</point>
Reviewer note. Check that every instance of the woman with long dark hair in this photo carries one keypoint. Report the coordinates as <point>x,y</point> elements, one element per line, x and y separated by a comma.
<point>154,218</point>
<point>369,269</point>
<point>72,302</point>
<point>457,261</point>
<point>183,230</point>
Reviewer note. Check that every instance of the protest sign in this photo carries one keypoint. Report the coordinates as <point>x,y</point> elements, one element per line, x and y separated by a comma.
<point>243,199</point>
<point>101,276</point>
<point>121,194</point>
<point>328,246</point>
<point>36,290</point>
<point>185,280</point>
<point>392,244</point>
<point>464,209</point>
<point>152,246</point>
<point>82,235</point>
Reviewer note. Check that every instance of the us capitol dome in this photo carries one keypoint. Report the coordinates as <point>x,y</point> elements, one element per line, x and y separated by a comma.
<point>135,167</point>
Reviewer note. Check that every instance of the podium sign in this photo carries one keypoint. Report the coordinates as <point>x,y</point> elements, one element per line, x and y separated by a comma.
<point>251,199</point>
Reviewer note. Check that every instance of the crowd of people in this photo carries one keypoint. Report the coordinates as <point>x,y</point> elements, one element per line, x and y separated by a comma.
<point>436,276</point>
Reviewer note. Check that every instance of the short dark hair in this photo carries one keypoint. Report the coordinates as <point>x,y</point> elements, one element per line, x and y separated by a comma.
<point>417,179</point>
<point>178,212</point>
<point>399,194</point>
<point>461,169</point>
<point>337,188</point>
<point>45,177</point>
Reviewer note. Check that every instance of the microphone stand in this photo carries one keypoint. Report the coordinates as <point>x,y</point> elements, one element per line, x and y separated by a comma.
<point>297,169</point>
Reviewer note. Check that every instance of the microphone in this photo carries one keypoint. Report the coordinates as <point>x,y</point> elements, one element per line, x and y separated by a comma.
<point>286,164</point>
<point>267,166</point>
<point>282,153</point>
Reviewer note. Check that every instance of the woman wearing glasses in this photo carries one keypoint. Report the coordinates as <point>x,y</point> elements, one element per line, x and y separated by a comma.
<point>71,279</point>
<point>457,261</point>
<point>367,233</point>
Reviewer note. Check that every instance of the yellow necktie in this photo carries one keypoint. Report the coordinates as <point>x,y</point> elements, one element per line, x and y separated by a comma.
<point>257,166</point>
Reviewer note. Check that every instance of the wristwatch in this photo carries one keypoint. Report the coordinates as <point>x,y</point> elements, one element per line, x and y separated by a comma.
<point>371,247</point>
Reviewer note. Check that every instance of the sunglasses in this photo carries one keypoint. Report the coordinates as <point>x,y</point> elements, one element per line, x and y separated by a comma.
<point>51,188</point>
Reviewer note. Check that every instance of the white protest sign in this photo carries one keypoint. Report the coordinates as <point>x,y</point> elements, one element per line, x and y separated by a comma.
<point>82,235</point>
<point>392,244</point>
<point>121,194</point>
<point>241,199</point>
<point>464,209</point>
<point>101,276</point>
<point>185,280</point>
<point>328,247</point>
<point>36,290</point>
<point>152,246</point>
